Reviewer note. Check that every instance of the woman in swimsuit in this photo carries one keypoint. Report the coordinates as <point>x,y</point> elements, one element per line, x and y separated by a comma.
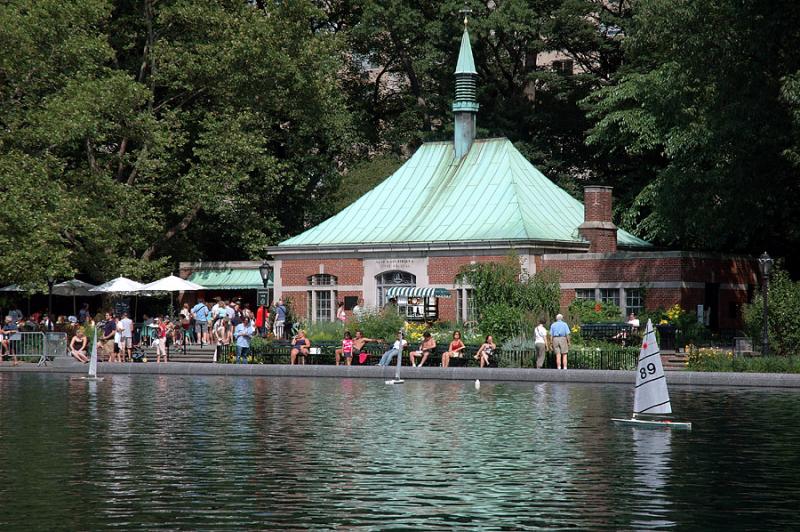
<point>300,345</point>
<point>454,351</point>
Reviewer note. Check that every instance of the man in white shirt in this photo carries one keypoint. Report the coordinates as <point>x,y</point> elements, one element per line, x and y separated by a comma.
<point>540,342</point>
<point>125,327</point>
<point>396,350</point>
<point>633,320</point>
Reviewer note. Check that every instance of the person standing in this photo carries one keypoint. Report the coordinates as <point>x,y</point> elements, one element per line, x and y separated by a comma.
<point>83,314</point>
<point>540,343</point>
<point>161,340</point>
<point>106,342</point>
<point>262,317</point>
<point>280,319</point>
<point>200,315</point>
<point>125,337</point>
<point>358,310</point>
<point>341,315</point>
<point>559,332</point>
<point>243,333</point>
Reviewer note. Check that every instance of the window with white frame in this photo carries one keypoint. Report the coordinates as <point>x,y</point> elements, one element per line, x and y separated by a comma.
<point>465,305</point>
<point>634,300</point>
<point>321,300</point>
<point>584,294</point>
<point>610,295</point>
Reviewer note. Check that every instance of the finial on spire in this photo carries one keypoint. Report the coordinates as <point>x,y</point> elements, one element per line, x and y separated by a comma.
<point>465,11</point>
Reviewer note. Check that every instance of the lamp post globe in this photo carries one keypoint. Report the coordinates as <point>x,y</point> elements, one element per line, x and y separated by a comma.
<point>265,270</point>
<point>765,264</point>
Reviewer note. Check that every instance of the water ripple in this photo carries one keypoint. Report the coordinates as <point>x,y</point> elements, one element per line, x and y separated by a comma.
<point>190,453</point>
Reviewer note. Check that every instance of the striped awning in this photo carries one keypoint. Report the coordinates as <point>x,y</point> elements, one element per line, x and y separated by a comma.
<point>418,291</point>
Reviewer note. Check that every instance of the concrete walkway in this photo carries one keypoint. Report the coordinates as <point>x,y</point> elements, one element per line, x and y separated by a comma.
<point>682,378</point>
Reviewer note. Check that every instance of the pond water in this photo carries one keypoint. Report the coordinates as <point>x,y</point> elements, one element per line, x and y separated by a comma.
<point>144,452</point>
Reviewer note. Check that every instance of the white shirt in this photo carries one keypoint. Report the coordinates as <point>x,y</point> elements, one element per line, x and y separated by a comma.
<point>541,334</point>
<point>634,322</point>
<point>397,344</point>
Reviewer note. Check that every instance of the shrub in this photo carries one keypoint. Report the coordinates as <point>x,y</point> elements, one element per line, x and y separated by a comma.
<point>506,283</point>
<point>714,359</point>
<point>784,315</point>
<point>585,311</point>
<point>379,324</point>
<point>502,321</point>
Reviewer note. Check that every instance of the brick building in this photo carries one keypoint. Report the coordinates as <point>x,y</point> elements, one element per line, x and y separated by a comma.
<point>467,201</point>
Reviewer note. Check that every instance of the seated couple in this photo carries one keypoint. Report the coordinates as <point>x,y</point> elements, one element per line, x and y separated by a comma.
<point>353,346</point>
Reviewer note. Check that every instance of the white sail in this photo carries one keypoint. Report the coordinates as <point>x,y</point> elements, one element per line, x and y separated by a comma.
<point>93,359</point>
<point>651,395</point>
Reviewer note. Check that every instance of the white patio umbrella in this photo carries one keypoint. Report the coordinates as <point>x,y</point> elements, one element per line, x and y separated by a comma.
<point>12,288</point>
<point>171,284</point>
<point>121,286</point>
<point>73,287</point>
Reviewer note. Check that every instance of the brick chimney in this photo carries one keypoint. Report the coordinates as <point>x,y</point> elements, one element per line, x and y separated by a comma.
<point>597,226</point>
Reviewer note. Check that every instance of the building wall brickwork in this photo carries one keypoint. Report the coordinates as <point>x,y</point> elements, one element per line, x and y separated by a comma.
<point>295,272</point>
<point>668,277</point>
<point>443,270</point>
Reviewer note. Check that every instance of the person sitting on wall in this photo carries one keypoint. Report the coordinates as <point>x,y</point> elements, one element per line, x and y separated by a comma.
<point>427,347</point>
<point>358,347</point>
<point>485,351</point>
<point>77,346</point>
<point>396,350</point>
<point>456,350</point>
<point>300,346</point>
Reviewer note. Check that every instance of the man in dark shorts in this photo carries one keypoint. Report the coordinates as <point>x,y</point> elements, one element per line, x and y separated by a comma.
<point>358,344</point>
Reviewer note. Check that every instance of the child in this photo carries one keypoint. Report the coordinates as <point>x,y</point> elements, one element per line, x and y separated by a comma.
<point>346,350</point>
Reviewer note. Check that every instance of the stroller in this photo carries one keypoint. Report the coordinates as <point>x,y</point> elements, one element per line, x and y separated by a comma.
<point>138,354</point>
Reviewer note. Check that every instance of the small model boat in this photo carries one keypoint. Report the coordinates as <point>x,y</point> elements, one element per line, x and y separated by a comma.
<point>651,397</point>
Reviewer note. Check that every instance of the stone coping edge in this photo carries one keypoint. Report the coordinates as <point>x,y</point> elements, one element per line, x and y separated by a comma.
<point>675,378</point>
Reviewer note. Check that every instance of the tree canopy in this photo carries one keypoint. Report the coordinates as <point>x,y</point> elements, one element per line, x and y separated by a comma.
<point>135,134</point>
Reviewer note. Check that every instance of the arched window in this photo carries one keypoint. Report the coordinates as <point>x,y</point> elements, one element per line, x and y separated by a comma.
<point>321,299</point>
<point>387,280</point>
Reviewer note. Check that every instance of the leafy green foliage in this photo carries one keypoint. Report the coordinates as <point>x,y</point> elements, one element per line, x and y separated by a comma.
<point>382,324</point>
<point>783,318</point>
<point>506,299</point>
<point>705,110</point>
<point>135,134</point>
<point>584,311</point>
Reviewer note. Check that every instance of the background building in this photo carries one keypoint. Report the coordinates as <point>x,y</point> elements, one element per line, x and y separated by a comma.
<point>466,201</point>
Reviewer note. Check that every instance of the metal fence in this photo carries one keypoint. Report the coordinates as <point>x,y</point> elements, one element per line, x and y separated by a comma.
<point>621,358</point>
<point>42,346</point>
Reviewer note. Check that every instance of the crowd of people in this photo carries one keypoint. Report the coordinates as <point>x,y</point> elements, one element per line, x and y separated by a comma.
<point>226,323</point>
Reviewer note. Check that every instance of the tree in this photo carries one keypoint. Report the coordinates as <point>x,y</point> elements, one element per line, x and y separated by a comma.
<point>507,299</point>
<point>152,132</point>
<point>697,130</point>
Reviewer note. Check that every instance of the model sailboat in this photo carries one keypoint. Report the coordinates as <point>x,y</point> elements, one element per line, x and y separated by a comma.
<point>651,397</point>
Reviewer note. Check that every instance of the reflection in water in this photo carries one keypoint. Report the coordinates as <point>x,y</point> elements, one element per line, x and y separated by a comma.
<point>652,457</point>
<point>252,453</point>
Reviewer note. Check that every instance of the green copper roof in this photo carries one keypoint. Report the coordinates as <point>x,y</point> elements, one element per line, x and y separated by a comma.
<point>229,279</point>
<point>492,193</point>
<point>465,65</point>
